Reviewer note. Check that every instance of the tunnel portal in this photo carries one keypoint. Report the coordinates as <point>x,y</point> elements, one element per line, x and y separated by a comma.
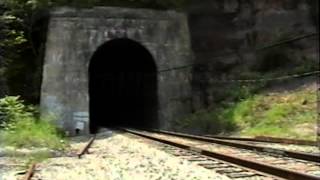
<point>122,86</point>
<point>113,66</point>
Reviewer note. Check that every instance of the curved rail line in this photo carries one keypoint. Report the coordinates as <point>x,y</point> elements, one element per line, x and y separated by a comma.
<point>85,149</point>
<point>257,166</point>
<point>291,154</point>
<point>30,172</point>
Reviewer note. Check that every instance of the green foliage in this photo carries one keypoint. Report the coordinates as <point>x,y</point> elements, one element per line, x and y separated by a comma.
<point>275,114</point>
<point>13,37</point>
<point>239,92</point>
<point>20,58</point>
<point>30,132</point>
<point>284,114</point>
<point>205,122</point>
<point>21,127</point>
<point>13,19</point>
<point>12,109</point>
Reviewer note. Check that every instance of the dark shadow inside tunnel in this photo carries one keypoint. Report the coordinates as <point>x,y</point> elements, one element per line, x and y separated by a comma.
<point>122,86</point>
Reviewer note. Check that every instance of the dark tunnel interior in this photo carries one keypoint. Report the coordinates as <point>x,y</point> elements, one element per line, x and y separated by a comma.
<point>122,86</point>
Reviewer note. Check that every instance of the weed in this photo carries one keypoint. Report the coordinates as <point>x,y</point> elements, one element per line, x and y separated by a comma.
<point>37,157</point>
<point>12,109</point>
<point>284,114</point>
<point>29,132</point>
<point>21,127</point>
<point>205,122</point>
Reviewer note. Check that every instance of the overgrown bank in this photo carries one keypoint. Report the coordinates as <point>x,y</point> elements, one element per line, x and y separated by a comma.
<point>21,127</point>
<point>287,113</point>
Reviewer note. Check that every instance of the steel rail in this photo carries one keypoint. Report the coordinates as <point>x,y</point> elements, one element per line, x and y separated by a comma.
<point>268,169</point>
<point>32,167</point>
<point>30,172</point>
<point>86,147</point>
<point>267,140</point>
<point>291,154</point>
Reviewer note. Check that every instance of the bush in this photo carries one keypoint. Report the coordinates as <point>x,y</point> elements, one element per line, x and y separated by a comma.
<point>21,126</point>
<point>290,114</point>
<point>29,132</point>
<point>205,122</point>
<point>13,109</point>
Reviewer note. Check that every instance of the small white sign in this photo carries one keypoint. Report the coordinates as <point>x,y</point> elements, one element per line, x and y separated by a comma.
<point>80,125</point>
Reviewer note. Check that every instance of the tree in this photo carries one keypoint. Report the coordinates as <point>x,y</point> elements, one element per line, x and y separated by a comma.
<point>19,55</point>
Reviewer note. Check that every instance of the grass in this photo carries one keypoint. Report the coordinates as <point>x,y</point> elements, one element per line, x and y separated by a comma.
<point>31,133</point>
<point>28,159</point>
<point>34,135</point>
<point>204,121</point>
<point>21,128</point>
<point>286,114</point>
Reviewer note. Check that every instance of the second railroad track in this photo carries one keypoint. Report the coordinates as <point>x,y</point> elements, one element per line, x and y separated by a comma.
<point>264,164</point>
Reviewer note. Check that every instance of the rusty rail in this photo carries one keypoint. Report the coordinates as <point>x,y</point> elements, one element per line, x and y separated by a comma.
<point>268,169</point>
<point>86,147</point>
<point>286,141</point>
<point>30,172</point>
<point>292,154</point>
<point>267,140</point>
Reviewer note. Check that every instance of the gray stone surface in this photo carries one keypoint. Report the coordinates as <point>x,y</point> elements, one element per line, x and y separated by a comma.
<point>224,34</point>
<point>75,34</point>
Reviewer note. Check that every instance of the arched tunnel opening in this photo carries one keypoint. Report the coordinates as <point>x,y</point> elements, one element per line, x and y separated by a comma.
<point>122,86</point>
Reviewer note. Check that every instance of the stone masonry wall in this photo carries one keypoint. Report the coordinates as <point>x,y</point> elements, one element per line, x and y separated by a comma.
<point>73,37</point>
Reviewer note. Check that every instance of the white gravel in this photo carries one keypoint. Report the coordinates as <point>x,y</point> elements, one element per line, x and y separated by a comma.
<point>9,167</point>
<point>119,157</point>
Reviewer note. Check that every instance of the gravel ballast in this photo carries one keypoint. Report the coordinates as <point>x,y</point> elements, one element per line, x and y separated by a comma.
<point>118,156</point>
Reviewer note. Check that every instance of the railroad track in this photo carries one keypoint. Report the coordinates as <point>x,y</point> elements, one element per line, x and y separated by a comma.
<point>305,147</point>
<point>85,149</point>
<point>240,167</point>
<point>268,140</point>
<point>278,152</point>
<point>235,162</point>
<point>31,171</point>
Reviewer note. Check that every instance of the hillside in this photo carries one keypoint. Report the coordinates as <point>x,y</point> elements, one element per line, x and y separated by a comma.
<point>291,114</point>
<point>287,111</point>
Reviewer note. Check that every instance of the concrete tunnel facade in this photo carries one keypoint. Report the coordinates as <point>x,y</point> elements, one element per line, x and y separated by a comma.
<point>104,67</point>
